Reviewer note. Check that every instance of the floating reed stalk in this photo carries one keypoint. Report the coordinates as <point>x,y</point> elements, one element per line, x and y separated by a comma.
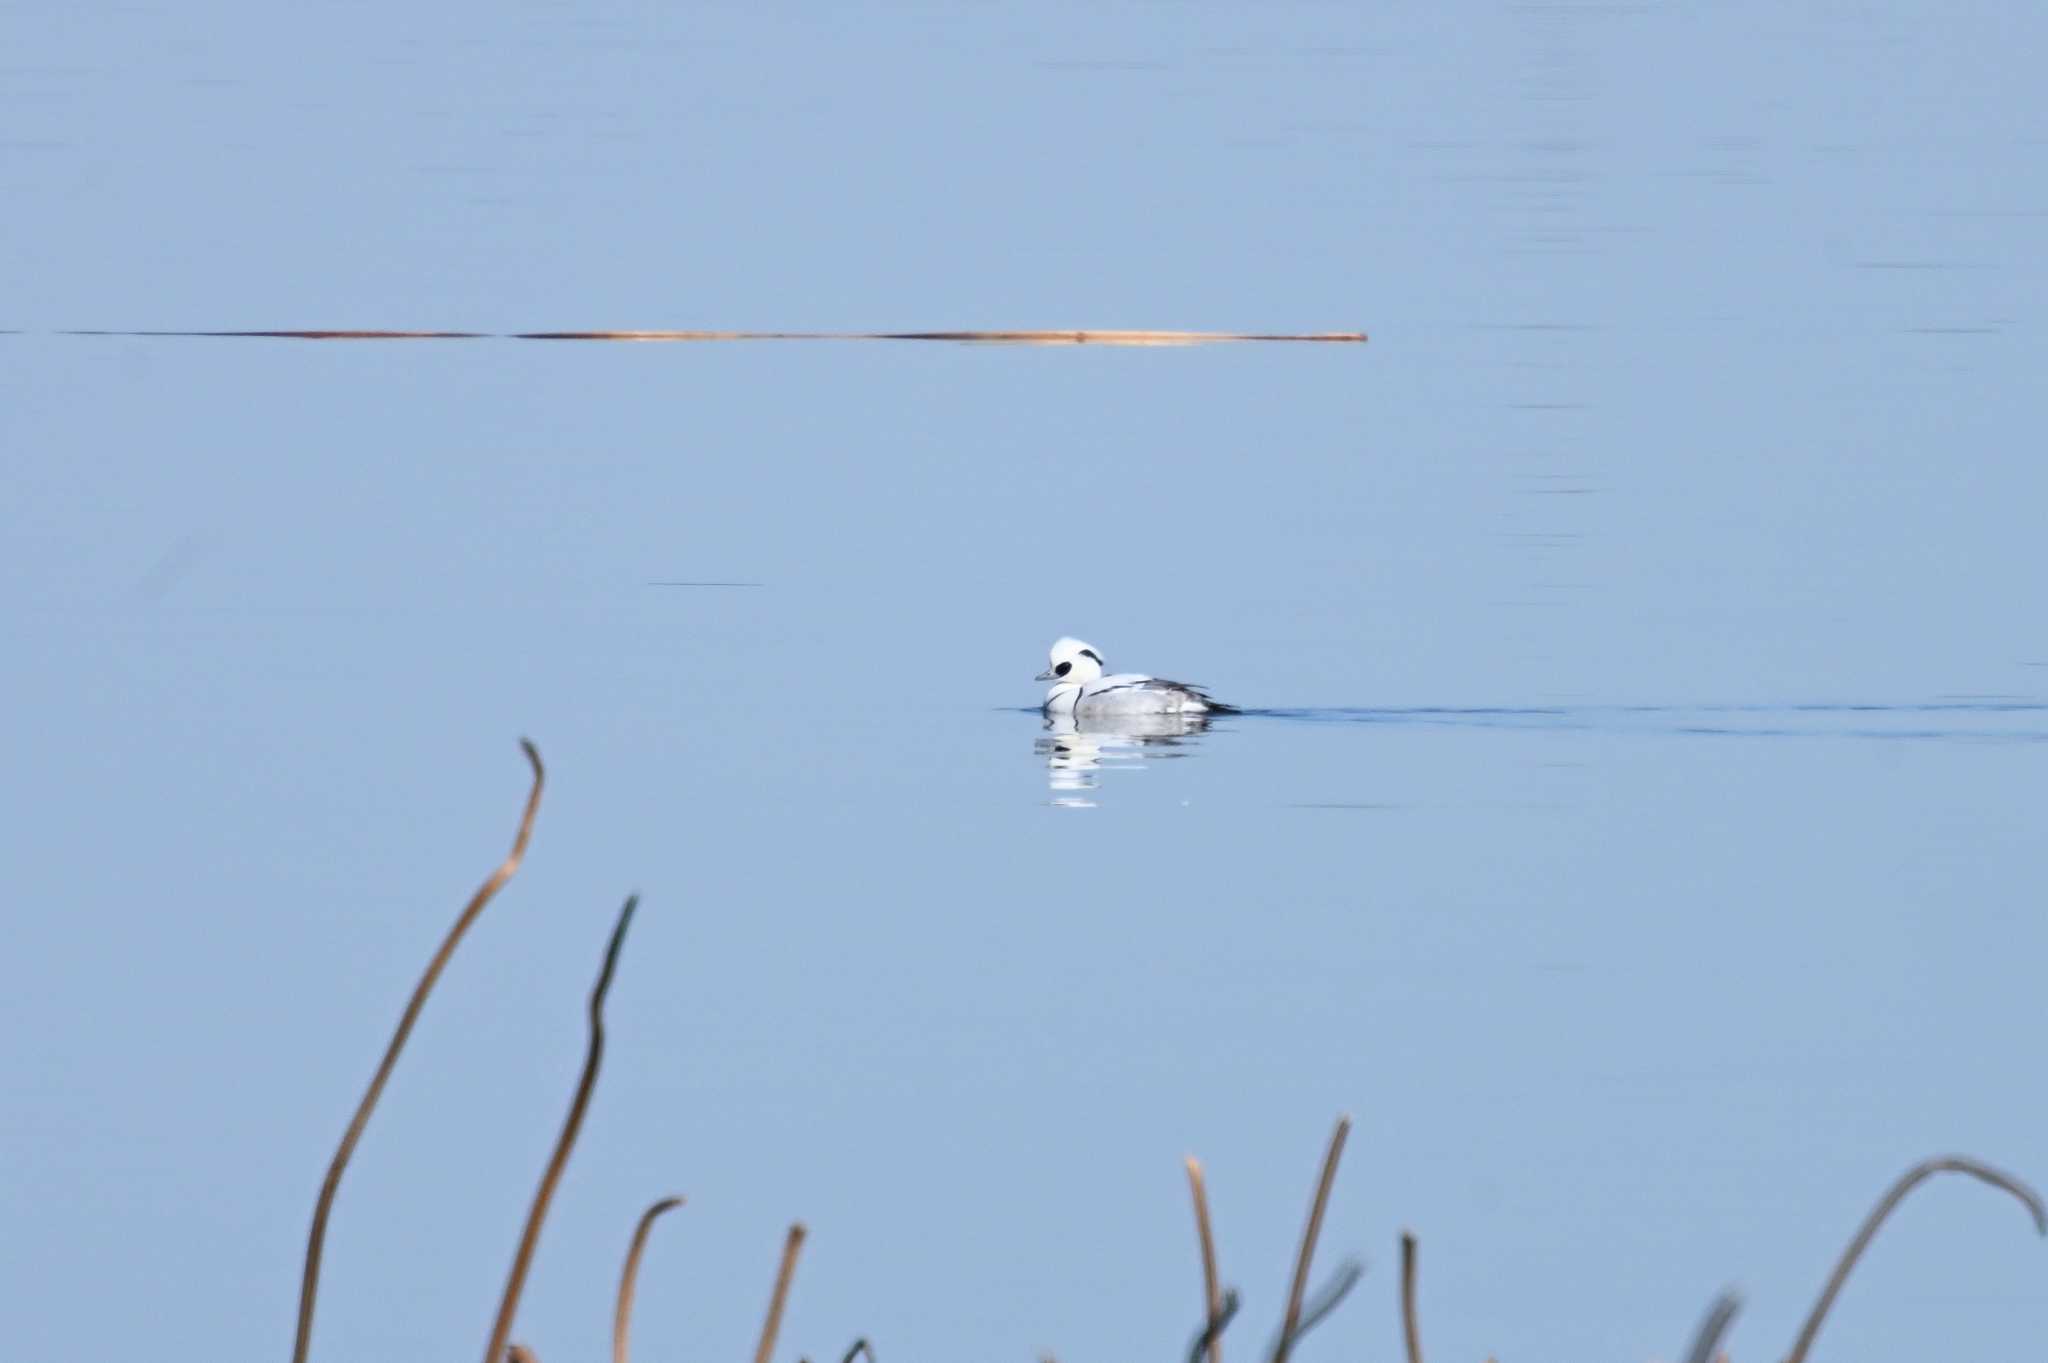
<point>1410,1335</point>
<point>1712,1326</point>
<point>1327,1297</point>
<point>1212,1292</point>
<point>780,1297</point>
<point>622,1314</point>
<point>515,1284</point>
<point>1292,1324</point>
<point>310,1283</point>
<point>1912,1178</point>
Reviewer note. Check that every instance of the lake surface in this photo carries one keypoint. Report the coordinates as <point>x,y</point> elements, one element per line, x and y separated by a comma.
<point>1637,827</point>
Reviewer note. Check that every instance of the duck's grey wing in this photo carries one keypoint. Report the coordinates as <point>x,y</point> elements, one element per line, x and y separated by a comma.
<point>1216,707</point>
<point>1136,682</point>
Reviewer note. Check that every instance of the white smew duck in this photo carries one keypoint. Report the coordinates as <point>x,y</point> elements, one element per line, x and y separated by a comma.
<point>1081,689</point>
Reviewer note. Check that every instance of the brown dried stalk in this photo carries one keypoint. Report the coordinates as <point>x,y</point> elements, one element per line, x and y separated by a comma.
<point>1292,1322</point>
<point>1715,1324</point>
<point>515,1284</point>
<point>773,1325</point>
<point>622,1314</point>
<point>309,1284</point>
<point>1409,1332</point>
<point>1212,1293</point>
<point>519,1353</point>
<point>1951,1164</point>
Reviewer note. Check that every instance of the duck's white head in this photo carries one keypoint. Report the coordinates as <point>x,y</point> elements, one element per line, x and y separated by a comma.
<point>1072,661</point>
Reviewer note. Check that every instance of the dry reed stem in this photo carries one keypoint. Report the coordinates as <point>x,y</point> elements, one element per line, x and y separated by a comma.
<point>622,1314</point>
<point>1211,1291</point>
<point>1956,1164</point>
<point>1410,1334</point>
<point>1212,1329</point>
<point>309,1285</point>
<point>1712,1326</point>
<point>1084,336</point>
<point>519,1353</point>
<point>522,1259</point>
<point>780,1298</point>
<point>1292,1323</point>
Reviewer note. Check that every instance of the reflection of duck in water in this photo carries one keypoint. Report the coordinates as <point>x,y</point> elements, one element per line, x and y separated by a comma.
<point>1080,689</point>
<point>1077,749</point>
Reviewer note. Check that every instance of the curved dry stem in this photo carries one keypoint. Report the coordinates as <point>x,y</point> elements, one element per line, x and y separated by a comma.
<point>622,1314</point>
<point>515,1284</point>
<point>773,1325</point>
<point>519,1353</point>
<point>1291,1325</point>
<point>309,1284</point>
<point>1712,1326</point>
<point>1952,1164</point>
<point>1212,1294</point>
<point>1212,1328</point>
<point>859,1347</point>
<point>1410,1333</point>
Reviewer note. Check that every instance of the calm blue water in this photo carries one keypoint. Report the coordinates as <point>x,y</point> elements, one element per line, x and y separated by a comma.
<point>1637,829</point>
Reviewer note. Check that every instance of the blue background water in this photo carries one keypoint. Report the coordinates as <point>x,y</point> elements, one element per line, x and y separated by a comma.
<point>1703,376</point>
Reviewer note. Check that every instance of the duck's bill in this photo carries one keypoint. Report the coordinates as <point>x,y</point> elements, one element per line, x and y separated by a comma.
<point>1044,676</point>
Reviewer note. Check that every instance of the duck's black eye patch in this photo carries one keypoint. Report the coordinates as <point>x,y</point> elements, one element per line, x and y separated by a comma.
<point>1090,653</point>
<point>1063,669</point>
